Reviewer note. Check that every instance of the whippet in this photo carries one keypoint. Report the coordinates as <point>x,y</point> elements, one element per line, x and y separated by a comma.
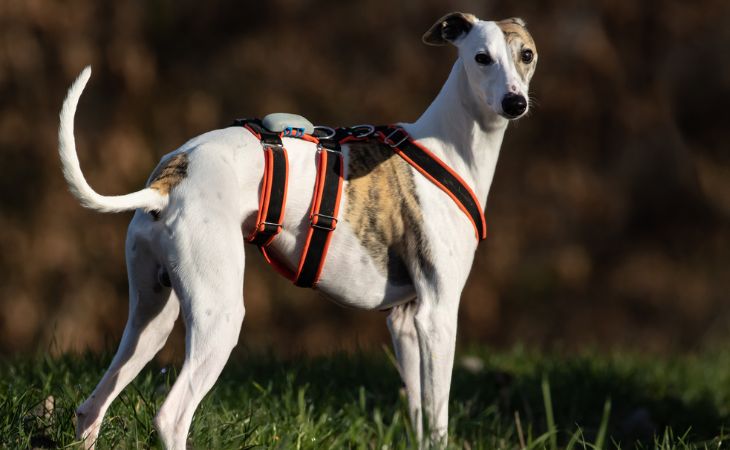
<point>401,244</point>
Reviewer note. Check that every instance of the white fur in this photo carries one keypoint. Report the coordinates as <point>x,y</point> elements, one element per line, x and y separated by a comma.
<point>147,199</point>
<point>198,241</point>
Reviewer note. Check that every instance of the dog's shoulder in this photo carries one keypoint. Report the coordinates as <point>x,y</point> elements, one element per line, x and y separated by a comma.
<point>378,178</point>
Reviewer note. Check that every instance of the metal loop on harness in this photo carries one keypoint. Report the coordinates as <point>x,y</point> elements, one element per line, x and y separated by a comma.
<point>330,132</point>
<point>272,144</point>
<point>321,148</point>
<point>333,221</point>
<point>271,227</point>
<point>369,129</point>
<point>390,140</point>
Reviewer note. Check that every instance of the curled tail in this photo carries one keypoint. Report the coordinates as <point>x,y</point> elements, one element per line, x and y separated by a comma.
<point>148,199</point>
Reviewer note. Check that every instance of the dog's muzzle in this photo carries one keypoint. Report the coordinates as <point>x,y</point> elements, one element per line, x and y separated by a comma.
<point>514,105</point>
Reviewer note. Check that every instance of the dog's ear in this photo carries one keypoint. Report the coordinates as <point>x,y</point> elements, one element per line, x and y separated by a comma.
<point>514,20</point>
<point>449,28</point>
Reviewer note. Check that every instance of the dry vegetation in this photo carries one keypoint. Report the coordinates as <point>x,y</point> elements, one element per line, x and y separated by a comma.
<point>608,216</point>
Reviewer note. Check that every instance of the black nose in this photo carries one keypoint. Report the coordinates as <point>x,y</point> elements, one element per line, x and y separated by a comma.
<point>514,105</point>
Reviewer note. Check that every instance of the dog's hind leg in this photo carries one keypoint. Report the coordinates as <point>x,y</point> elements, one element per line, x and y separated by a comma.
<point>153,309</point>
<point>405,342</point>
<point>209,281</point>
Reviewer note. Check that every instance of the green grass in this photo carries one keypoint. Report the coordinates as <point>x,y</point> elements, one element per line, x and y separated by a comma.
<point>519,399</point>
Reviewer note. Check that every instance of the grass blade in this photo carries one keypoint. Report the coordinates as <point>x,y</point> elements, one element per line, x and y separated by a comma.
<point>603,428</point>
<point>550,419</point>
<point>576,438</point>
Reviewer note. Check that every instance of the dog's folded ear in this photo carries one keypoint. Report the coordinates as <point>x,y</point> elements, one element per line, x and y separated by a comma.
<point>449,28</point>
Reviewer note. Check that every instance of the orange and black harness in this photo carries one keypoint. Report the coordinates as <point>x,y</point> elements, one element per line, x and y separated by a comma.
<point>328,188</point>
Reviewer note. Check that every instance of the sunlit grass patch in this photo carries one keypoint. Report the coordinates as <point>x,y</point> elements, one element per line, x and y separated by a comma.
<point>500,400</point>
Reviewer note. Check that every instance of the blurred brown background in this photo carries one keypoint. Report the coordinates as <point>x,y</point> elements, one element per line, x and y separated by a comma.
<point>608,216</point>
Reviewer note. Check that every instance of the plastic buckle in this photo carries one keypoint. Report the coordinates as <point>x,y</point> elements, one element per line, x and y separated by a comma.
<point>333,222</point>
<point>391,141</point>
<point>293,132</point>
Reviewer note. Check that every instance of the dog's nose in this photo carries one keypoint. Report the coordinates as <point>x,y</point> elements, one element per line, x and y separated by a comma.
<point>514,105</point>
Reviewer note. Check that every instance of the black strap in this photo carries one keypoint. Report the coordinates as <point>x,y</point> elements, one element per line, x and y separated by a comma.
<point>324,216</point>
<point>438,171</point>
<point>270,225</point>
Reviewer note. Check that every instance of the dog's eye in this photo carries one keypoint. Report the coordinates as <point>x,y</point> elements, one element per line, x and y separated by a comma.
<point>527,56</point>
<point>483,58</point>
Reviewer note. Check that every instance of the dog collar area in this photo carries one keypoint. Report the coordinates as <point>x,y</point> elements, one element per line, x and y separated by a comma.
<point>324,211</point>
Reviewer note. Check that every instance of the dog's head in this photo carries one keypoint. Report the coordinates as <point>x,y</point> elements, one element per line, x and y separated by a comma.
<point>499,59</point>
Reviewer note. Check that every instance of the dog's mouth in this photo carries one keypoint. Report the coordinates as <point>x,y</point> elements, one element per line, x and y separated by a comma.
<point>511,117</point>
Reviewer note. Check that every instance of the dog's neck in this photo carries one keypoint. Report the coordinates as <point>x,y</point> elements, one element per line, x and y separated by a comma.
<point>464,135</point>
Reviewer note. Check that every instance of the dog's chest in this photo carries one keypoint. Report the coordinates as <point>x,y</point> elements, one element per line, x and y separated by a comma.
<point>382,207</point>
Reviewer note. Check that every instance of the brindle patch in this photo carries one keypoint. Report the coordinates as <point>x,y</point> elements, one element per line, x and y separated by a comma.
<point>169,174</point>
<point>383,210</point>
<point>518,38</point>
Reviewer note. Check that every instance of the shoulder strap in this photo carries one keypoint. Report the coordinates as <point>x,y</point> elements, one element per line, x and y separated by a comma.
<point>437,172</point>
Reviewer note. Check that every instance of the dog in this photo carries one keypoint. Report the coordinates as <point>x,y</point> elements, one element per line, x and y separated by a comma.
<point>401,244</point>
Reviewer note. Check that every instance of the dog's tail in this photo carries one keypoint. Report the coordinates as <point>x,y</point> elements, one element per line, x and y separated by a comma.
<point>147,199</point>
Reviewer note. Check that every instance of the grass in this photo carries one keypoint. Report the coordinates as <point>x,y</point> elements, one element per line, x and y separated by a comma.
<point>504,400</point>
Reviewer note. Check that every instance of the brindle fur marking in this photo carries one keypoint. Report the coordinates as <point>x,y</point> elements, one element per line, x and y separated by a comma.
<point>518,38</point>
<point>169,174</point>
<point>383,210</point>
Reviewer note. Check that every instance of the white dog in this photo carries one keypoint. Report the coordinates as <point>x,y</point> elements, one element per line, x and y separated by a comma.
<point>401,243</point>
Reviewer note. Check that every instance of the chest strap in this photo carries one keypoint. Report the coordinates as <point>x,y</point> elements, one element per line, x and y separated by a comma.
<point>437,172</point>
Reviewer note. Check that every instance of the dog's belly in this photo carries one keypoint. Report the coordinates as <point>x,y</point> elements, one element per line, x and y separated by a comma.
<point>378,221</point>
<point>352,277</point>
<point>379,230</point>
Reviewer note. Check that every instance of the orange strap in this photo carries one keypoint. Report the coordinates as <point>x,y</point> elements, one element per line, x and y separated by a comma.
<point>323,216</point>
<point>272,200</point>
<point>438,172</point>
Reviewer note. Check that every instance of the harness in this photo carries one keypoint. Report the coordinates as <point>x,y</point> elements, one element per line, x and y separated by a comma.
<point>327,193</point>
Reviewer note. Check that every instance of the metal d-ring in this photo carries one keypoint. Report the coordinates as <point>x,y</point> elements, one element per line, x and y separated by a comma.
<point>330,132</point>
<point>369,129</point>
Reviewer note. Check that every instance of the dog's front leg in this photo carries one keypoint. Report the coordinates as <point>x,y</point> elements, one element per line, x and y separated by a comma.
<point>405,342</point>
<point>435,322</point>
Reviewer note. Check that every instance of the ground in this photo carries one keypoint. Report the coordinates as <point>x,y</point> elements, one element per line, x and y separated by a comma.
<point>505,399</point>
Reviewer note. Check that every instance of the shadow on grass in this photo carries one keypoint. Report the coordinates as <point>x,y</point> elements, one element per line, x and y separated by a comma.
<point>644,403</point>
<point>647,396</point>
